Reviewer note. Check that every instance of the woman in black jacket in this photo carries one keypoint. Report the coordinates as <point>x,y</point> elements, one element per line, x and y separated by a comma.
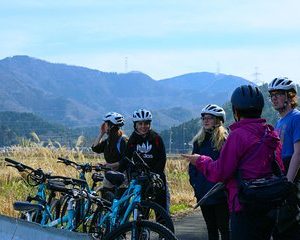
<point>114,145</point>
<point>209,141</point>
<point>149,145</point>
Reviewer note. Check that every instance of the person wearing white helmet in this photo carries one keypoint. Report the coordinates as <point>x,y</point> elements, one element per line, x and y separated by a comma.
<point>209,141</point>
<point>114,145</point>
<point>150,146</point>
<point>283,95</point>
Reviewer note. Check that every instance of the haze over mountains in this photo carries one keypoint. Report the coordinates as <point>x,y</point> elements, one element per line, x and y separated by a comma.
<point>77,96</point>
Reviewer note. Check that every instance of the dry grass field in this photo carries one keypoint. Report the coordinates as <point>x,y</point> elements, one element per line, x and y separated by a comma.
<point>13,187</point>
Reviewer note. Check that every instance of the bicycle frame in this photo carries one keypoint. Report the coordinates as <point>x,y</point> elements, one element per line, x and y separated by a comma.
<point>130,199</point>
<point>68,218</point>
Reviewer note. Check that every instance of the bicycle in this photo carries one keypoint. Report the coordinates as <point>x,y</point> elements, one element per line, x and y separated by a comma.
<point>129,206</point>
<point>109,224</point>
<point>82,213</point>
<point>39,209</point>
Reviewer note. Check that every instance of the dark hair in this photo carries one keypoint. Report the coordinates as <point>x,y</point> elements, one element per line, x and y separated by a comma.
<point>247,101</point>
<point>114,134</point>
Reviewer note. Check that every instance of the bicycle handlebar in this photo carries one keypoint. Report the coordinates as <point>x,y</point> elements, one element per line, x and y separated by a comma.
<point>100,167</point>
<point>20,166</point>
<point>86,167</point>
<point>67,161</point>
<point>68,180</point>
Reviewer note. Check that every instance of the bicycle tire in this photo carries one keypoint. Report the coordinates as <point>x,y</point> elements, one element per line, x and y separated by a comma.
<point>161,215</point>
<point>146,230</point>
<point>98,231</point>
<point>37,215</point>
<point>54,209</point>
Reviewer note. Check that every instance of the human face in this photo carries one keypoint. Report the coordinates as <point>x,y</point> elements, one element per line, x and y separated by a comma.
<point>208,121</point>
<point>278,99</point>
<point>143,127</point>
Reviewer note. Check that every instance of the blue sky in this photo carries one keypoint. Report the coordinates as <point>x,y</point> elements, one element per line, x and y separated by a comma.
<point>162,38</point>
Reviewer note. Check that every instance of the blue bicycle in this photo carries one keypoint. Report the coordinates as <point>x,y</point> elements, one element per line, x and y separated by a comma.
<point>130,207</point>
<point>44,208</point>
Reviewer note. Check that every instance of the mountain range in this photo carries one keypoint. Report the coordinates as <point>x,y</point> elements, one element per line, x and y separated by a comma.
<point>77,96</point>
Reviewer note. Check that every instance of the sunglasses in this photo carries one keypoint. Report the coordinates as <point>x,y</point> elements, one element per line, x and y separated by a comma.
<point>276,94</point>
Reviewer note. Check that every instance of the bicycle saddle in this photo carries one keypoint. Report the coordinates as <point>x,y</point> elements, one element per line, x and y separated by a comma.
<point>116,178</point>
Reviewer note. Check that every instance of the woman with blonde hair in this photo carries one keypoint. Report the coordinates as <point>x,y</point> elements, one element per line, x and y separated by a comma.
<point>209,141</point>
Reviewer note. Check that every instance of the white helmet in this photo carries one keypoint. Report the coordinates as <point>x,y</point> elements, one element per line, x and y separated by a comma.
<point>141,115</point>
<point>215,110</point>
<point>115,118</point>
<point>282,83</point>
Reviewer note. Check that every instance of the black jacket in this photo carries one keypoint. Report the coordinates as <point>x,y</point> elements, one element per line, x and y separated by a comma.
<point>198,181</point>
<point>151,148</point>
<point>113,152</point>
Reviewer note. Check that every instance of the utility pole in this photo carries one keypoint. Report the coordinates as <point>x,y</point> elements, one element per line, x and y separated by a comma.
<point>170,141</point>
<point>183,136</point>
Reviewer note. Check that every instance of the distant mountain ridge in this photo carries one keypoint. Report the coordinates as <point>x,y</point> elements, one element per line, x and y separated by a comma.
<point>78,96</point>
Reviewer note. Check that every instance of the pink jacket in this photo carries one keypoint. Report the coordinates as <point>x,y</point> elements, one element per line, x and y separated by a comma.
<point>242,141</point>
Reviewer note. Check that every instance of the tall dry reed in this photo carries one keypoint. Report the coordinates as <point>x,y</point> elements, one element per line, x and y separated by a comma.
<point>13,187</point>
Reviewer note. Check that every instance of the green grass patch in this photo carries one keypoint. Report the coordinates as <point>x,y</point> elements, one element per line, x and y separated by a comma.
<point>179,208</point>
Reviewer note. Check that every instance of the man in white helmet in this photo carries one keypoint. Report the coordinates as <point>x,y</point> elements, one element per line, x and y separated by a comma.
<point>283,95</point>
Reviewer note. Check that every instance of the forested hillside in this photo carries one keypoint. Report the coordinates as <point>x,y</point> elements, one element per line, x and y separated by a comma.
<point>178,138</point>
<point>17,126</point>
<point>79,97</point>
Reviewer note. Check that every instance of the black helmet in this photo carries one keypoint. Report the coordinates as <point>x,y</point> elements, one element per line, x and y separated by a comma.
<point>247,97</point>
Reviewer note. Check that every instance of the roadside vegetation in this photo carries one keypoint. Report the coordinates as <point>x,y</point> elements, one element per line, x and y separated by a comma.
<point>14,188</point>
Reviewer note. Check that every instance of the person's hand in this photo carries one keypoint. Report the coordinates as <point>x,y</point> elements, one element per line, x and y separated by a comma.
<point>192,158</point>
<point>103,128</point>
<point>108,165</point>
<point>113,166</point>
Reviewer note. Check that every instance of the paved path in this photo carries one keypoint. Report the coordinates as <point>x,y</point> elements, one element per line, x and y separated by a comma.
<point>191,227</point>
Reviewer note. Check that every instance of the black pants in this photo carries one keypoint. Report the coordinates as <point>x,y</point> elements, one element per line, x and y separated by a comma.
<point>216,217</point>
<point>292,232</point>
<point>163,198</point>
<point>251,226</point>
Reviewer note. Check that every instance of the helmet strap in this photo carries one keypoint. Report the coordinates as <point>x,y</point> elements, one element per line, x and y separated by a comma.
<point>236,115</point>
<point>285,104</point>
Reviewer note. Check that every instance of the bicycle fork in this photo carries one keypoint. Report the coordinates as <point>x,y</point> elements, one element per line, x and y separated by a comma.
<point>69,218</point>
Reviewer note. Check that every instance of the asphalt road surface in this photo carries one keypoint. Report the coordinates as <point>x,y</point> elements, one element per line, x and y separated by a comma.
<point>191,227</point>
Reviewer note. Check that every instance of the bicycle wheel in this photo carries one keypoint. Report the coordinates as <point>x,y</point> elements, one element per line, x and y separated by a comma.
<point>37,215</point>
<point>141,230</point>
<point>94,227</point>
<point>32,216</point>
<point>154,212</point>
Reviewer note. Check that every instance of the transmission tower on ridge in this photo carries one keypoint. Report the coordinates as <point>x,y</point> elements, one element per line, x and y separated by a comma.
<point>256,79</point>
<point>126,64</point>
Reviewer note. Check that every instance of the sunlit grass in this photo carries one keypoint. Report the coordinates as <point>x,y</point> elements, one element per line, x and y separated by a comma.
<point>13,187</point>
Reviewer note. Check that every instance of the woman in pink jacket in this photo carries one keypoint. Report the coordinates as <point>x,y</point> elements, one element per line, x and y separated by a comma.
<point>246,134</point>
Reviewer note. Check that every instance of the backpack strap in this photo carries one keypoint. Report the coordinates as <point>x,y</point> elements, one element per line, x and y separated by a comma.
<point>119,144</point>
<point>275,166</point>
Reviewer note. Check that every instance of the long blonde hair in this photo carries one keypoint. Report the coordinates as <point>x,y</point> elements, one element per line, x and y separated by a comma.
<point>219,135</point>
